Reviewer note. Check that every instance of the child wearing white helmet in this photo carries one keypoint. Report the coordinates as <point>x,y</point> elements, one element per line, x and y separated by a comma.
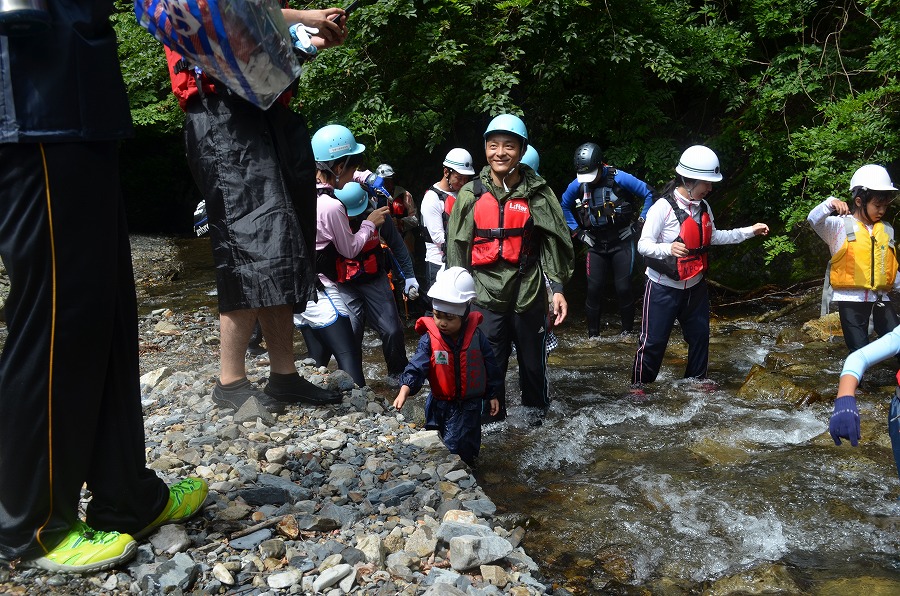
<point>675,242</point>
<point>456,358</point>
<point>860,278</point>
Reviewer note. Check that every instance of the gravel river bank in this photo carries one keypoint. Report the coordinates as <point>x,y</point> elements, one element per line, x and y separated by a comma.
<point>350,499</point>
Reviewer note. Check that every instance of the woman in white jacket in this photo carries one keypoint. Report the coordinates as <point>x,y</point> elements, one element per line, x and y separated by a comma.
<point>677,234</point>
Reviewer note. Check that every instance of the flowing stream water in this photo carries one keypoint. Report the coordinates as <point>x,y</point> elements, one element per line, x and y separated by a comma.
<point>690,489</point>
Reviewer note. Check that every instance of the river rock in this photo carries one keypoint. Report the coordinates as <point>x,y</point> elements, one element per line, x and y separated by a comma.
<point>824,328</point>
<point>373,548</point>
<point>251,541</point>
<point>467,552</point>
<point>767,385</point>
<point>284,579</point>
<point>450,529</point>
<point>495,575</point>
<point>766,579</point>
<point>870,586</point>
<point>331,576</point>
<point>170,539</point>
<point>421,542</point>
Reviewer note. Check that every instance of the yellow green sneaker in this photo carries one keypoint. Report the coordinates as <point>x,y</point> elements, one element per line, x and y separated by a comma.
<point>86,550</point>
<point>185,501</point>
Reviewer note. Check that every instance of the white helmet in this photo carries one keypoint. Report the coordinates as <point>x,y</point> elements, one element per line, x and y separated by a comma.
<point>452,291</point>
<point>459,160</point>
<point>699,163</point>
<point>385,170</point>
<point>871,177</point>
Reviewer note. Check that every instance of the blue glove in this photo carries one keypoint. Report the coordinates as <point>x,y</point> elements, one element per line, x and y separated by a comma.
<point>844,423</point>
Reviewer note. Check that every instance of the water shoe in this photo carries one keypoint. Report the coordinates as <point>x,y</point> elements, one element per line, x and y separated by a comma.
<point>85,550</point>
<point>185,501</point>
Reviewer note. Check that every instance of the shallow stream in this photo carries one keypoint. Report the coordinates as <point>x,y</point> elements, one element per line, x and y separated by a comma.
<point>690,489</point>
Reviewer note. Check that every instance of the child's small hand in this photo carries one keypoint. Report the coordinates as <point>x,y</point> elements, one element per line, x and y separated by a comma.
<point>401,396</point>
<point>495,406</point>
<point>839,206</point>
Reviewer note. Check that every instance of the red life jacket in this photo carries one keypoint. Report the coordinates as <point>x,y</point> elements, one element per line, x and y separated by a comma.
<point>502,233</point>
<point>696,236</point>
<point>456,372</point>
<point>398,207</point>
<point>368,264</point>
<point>447,200</point>
<point>184,80</point>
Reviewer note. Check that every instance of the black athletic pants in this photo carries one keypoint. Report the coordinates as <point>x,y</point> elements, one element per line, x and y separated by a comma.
<point>70,410</point>
<point>605,259</point>
<point>528,331</point>
<point>372,302</point>
<point>664,305</point>
<point>336,340</point>
<point>855,321</point>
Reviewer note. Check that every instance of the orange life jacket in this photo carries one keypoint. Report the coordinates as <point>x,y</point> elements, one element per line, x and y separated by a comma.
<point>456,372</point>
<point>696,236</point>
<point>502,232</point>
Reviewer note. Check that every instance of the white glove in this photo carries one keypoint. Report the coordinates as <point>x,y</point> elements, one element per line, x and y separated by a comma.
<point>301,40</point>
<point>412,288</point>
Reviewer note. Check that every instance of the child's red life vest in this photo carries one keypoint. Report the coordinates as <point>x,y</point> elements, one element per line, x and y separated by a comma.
<point>696,236</point>
<point>455,373</point>
<point>502,233</point>
<point>368,264</point>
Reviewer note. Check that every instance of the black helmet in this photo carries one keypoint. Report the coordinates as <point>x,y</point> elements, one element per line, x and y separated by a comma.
<point>588,160</point>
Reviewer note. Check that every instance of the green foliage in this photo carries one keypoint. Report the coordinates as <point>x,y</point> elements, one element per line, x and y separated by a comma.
<point>792,94</point>
<point>154,109</point>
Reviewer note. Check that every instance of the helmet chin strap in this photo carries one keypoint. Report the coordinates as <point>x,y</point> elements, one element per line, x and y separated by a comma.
<point>333,173</point>
<point>689,189</point>
<point>511,171</point>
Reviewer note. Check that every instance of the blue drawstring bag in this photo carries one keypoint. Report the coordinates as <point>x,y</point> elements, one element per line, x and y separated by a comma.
<point>245,45</point>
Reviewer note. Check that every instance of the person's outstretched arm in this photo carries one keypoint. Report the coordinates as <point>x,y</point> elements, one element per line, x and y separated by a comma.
<point>844,422</point>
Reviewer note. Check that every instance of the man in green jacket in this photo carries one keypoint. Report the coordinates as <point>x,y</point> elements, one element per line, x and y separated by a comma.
<point>507,228</point>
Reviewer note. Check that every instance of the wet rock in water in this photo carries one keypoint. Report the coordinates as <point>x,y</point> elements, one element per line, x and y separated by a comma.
<point>870,586</point>
<point>791,335</point>
<point>616,563</point>
<point>762,383</point>
<point>766,579</point>
<point>824,328</point>
<point>720,453</point>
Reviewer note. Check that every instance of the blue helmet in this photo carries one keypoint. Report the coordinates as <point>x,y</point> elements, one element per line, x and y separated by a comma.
<point>354,198</point>
<point>508,123</point>
<point>334,142</point>
<point>532,159</point>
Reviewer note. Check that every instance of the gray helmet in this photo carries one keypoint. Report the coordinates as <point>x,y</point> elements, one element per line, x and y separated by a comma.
<point>384,170</point>
<point>588,161</point>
